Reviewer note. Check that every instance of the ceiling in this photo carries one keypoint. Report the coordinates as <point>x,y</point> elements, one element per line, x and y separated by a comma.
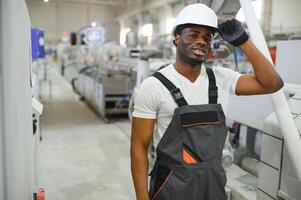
<point>87,2</point>
<point>222,7</point>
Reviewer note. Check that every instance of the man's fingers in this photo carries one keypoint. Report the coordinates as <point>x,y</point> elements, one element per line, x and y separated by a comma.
<point>220,29</point>
<point>226,27</point>
<point>229,27</point>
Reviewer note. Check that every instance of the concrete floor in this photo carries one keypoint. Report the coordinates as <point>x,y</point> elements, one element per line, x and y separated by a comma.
<point>81,158</point>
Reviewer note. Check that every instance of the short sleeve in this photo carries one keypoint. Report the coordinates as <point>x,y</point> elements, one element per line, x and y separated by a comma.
<point>146,100</point>
<point>230,78</point>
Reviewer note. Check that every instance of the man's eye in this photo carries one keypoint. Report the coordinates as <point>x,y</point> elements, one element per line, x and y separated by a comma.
<point>194,35</point>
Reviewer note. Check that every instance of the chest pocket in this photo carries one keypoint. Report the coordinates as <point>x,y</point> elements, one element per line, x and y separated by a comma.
<point>199,119</point>
<point>200,131</point>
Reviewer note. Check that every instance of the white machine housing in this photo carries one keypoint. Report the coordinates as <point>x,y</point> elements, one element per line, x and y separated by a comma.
<point>277,178</point>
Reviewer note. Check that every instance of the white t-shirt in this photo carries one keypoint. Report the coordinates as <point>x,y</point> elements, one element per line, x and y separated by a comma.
<point>154,101</point>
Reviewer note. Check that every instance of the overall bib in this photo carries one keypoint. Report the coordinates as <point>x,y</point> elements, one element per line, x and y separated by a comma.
<point>189,155</point>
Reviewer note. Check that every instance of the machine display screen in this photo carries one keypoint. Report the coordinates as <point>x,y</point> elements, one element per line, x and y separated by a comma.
<point>95,35</point>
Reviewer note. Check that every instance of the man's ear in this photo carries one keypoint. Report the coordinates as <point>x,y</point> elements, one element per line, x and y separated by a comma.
<point>176,40</point>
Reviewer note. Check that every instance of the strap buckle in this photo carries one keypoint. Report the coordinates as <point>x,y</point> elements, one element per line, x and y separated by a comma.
<point>176,94</point>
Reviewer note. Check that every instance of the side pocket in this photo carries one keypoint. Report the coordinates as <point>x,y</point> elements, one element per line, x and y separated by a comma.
<point>159,180</point>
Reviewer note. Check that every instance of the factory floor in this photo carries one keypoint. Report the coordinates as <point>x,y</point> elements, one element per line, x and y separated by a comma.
<point>81,157</point>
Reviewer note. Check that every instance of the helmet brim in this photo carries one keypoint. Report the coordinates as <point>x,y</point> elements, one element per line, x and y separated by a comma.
<point>174,31</point>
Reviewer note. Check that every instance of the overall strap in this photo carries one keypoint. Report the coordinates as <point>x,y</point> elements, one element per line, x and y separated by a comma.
<point>175,92</point>
<point>212,89</point>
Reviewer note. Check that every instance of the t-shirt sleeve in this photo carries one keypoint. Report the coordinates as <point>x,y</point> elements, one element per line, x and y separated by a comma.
<point>231,77</point>
<point>146,100</point>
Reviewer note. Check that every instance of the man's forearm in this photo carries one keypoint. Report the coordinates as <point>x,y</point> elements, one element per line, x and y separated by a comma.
<point>264,71</point>
<point>139,167</point>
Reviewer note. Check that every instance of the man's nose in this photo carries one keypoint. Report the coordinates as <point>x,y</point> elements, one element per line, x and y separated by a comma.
<point>201,41</point>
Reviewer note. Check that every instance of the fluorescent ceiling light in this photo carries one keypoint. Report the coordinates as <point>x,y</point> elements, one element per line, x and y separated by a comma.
<point>123,35</point>
<point>45,1</point>
<point>257,8</point>
<point>147,30</point>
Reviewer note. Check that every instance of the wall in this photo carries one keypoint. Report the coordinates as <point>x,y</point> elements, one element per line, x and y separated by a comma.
<point>58,16</point>
<point>165,15</point>
<point>286,16</point>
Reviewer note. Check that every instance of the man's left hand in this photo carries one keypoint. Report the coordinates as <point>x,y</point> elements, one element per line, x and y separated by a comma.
<point>233,32</point>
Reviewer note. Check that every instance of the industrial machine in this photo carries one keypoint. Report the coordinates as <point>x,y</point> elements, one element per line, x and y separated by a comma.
<point>271,174</point>
<point>91,69</point>
<point>107,91</point>
<point>39,76</point>
<point>275,162</point>
<point>37,54</point>
<point>104,74</point>
<point>277,177</point>
<point>40,64</point>
<point>108,86</point>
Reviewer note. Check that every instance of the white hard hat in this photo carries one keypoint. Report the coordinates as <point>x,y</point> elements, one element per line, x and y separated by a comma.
<point>198,14</point>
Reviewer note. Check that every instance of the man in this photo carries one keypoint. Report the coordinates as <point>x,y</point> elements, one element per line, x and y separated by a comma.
<point>185,100</point>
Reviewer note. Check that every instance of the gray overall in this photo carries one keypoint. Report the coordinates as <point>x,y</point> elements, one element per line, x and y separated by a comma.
<point>188,165</point>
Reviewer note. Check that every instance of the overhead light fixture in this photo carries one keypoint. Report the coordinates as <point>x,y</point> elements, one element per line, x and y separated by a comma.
<point>147,30</point>
<point>46,1</point>
<point>123,34</point>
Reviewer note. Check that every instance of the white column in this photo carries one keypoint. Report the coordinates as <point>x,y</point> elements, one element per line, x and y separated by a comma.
<point>15,102</point>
